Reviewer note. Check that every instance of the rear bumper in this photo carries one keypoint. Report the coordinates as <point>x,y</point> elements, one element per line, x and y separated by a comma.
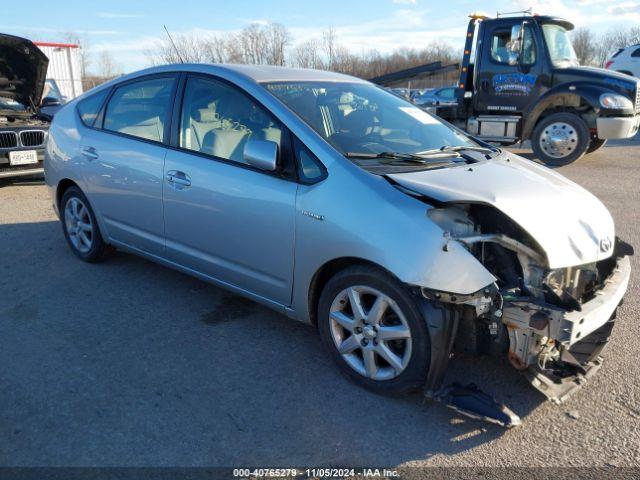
<point>617,127</point>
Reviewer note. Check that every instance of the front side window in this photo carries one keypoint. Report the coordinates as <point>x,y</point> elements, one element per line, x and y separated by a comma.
<point>559,45</point>
<point>218,119</point>
<point>363,118</point>
<point>140,109</point>
<point>505,46</point>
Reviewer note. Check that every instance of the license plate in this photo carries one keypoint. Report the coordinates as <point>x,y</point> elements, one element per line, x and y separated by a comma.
<point>26,157</point>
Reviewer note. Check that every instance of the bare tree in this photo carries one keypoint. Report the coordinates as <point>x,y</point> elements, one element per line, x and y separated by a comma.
<point>329,45</point>
<point>307,55</point>
<point>271,44</point>
<point>586,46</point>
<point>277,38</point>
<point>613,40</point>
<point>107,68</point>
<point>83,44</point>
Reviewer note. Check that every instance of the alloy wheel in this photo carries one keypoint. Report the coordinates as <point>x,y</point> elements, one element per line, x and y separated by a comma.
<point>370,332</point>
<point>78,224</point>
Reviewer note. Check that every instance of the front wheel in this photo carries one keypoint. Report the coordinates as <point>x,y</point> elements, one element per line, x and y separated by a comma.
<point>372,327</point>
<point>560,139</point>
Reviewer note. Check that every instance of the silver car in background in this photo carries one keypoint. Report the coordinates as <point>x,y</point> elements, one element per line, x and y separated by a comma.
<point>337,203</point>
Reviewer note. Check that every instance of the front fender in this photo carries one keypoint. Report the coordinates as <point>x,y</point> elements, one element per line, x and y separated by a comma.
<point>382,226</point>
<point>567,95</point>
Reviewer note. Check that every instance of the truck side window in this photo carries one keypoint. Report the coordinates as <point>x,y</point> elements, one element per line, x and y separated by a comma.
<point>502,42</point>
<point>499,45</point>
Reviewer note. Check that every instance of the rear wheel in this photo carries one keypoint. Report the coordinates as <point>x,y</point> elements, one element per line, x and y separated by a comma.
<point>596,144</point>
<point>80,227</point>
<point>373,329</point>
<point>560,139</point>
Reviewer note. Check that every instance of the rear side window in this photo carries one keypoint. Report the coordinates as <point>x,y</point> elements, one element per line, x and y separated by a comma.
<point>90,106</point>
<point>140,109</point>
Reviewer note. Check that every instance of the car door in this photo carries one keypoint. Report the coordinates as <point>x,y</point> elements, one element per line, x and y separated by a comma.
<point>125,155</point>
<point>223,218</point>
<point>504,82</point>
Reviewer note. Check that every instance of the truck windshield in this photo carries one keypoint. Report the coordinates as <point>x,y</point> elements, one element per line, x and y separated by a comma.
<point>360,118</point>
<point>559,45</point>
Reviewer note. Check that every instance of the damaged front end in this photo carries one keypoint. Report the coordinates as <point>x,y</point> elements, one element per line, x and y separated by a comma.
<point>552,323</point>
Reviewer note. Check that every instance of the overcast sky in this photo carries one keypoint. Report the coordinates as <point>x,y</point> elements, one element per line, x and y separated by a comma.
<point>129,28</point>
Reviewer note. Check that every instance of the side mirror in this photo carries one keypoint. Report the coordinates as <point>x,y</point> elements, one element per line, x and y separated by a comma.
<point>516,45</point>
<point>262,154</point>
<point>50,102</point>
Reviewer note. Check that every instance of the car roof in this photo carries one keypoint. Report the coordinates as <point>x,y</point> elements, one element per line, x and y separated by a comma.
<point>256,73</point>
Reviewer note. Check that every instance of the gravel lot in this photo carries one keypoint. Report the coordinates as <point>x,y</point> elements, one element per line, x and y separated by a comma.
<point>131,364</point>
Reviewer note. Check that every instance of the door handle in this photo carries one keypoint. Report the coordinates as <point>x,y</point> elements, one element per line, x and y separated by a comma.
<point>484,84</point>
<point>178,179</point>
<point>89,153</point>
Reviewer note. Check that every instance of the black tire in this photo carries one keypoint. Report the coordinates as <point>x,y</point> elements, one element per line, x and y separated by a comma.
<point>596,144</point>
<point>576,145</point>
<point>415,372</point>
<point>99,249</point>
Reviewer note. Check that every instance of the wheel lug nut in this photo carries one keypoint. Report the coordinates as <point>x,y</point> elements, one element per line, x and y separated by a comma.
<point>365,342</point>
<point>358,330</point>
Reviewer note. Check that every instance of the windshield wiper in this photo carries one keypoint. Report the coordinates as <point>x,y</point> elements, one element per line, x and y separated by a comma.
<point>458,148</point>
<point>411,157</point>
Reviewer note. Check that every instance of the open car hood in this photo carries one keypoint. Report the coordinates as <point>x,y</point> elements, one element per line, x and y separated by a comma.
<point>570,224</point>
<point>23,69</point>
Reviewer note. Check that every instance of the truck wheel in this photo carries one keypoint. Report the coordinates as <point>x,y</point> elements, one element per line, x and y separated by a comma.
<point>596,144</point>
<point>372,327</point>
<point>560,138</point>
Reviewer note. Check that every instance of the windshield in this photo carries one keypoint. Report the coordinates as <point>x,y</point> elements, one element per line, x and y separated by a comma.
<point>559,45</point>
<point>362,118</point>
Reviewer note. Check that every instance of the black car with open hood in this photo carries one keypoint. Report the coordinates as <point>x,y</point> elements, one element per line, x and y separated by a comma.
<point>23,129</point>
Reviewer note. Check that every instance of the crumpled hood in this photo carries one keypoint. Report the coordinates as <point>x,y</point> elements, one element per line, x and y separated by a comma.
<point>570,224</point>
<point>23,70</point>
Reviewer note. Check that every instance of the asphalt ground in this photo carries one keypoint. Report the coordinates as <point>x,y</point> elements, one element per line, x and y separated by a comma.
<point>127,363</point>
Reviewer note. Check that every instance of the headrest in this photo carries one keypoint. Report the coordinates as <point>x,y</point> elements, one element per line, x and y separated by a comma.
<point>205,115</point>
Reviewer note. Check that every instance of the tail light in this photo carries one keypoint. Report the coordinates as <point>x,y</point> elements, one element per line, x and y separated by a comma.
<point>608,64</point>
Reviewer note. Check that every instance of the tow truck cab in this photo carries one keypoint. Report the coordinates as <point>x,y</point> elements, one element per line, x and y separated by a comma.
<point>526,83</point>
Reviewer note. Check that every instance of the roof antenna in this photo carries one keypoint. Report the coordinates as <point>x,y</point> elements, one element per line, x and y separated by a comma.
<point>173,43</point>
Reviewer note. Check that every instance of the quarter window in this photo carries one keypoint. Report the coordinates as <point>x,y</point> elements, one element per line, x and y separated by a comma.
<point>140,109</point>
<point>90,106</point>
<point>217,119</point>
<point>311,170</point>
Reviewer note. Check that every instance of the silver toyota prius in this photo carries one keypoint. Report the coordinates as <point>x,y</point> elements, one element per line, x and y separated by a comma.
<point>401,238</point>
